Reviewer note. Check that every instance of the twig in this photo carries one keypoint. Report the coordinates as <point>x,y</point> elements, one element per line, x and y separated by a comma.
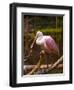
<point>56,63</point>
<point>37,66</point>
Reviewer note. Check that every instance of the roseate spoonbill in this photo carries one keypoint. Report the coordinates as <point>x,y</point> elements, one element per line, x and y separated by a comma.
<point>47,43</point>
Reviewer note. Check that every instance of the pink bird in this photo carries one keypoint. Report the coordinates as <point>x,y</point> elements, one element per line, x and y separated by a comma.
<point>47,42</point>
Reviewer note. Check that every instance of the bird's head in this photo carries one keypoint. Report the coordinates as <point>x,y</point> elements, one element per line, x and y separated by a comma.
<point>39,34</point>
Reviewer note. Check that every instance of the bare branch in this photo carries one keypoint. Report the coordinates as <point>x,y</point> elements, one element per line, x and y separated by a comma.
<point>56,63</point>
<point>39,65</point>
<point>44,66</point>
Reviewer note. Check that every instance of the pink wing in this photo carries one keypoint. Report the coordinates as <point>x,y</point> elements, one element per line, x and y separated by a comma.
<point>51,46</point>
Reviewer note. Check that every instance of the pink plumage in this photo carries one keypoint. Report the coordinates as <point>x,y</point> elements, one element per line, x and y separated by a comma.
<point>47,42</point>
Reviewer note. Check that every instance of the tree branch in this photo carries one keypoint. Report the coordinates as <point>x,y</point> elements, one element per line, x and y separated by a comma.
<point>39,65</point>
<point>56,63</point>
